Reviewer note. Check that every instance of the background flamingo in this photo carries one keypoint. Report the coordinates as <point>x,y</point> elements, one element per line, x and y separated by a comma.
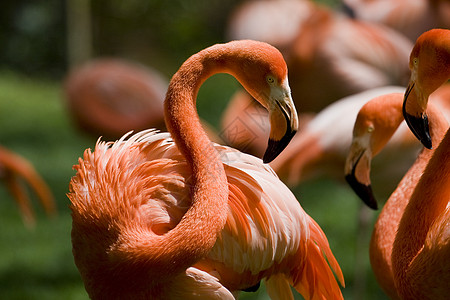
<point>318,151</point>
<point>219,221</point>
<point>15,171</point>
<point>409,17</point>
<point>276,22</point>
<point>109,97</point>
<point>323,50</point>
<point>374,127</point>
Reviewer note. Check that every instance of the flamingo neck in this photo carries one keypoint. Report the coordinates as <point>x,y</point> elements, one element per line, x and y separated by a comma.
<point>198,230</point>
<point>157,259</point>
<point>428,200</point>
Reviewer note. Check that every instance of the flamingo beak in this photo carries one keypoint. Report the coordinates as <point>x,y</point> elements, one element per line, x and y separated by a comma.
<point>357,169</point>
<point>417,121</point>
<point>282,112</point>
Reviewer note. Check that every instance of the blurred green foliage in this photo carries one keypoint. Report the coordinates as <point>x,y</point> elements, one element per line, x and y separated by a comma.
<point>32,36</point>
<point>161,33</point>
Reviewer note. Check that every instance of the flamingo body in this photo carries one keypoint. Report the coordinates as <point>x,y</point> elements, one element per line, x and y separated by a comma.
<point>422,245</point>
<point>257,239</point>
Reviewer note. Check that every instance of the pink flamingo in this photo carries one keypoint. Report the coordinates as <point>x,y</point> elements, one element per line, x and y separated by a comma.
<point>173,215</point>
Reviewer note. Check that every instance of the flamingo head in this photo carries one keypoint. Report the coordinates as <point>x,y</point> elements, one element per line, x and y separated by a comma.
<point>374,126</point>
<point>261,69</point>
<point>430,68</point>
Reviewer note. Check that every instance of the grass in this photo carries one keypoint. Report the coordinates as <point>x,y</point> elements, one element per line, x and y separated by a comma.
<point>38,264</point>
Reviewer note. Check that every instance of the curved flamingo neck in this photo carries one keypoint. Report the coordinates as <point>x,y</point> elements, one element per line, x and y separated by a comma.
<point>428,201</point>
<point>159,258</point>
<point>198,229</point>
<point>385,230</point>
<point>208,213</point>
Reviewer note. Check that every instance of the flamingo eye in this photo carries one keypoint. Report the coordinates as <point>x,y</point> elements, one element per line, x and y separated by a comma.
<point>270,79</point>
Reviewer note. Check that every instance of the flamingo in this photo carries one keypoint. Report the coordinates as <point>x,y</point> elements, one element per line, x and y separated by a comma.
<point>421,248</point>
<point>376,123</point>
<point>321,147</point>
<point>430,68</point>
<point>111,96</point>
<point>167,216</point>
<point>14,170</point>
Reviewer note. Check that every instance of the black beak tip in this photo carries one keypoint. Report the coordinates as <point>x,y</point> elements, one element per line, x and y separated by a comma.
<point>274,148</point>
<point>363,191</point>
<point>419,126</point>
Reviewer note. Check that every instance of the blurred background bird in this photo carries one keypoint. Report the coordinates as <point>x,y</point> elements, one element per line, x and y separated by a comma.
<point>109,97</point>
<point>325,63</point>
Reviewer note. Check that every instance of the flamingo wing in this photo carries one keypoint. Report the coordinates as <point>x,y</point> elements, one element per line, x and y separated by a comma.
<point>269,236</point>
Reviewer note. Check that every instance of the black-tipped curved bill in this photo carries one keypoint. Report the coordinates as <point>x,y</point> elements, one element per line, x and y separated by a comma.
<point>274,148</point>
<point>363,191</point>
<point>253,289</point>
<point>419,126</point>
